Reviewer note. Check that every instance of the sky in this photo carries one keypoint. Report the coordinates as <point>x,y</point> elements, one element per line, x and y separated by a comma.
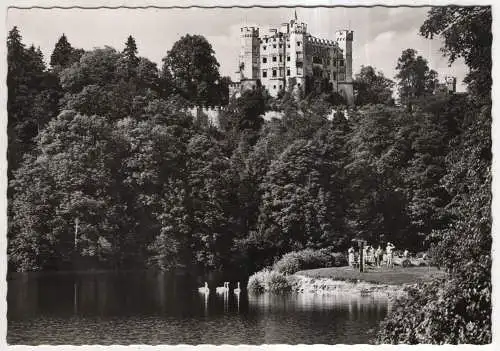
<point>380,33</point>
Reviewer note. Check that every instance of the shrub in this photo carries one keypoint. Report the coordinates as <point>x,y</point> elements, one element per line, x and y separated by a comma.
<point>289,263</point>
<point>278,283</point>
<point>256,282</point>
<point>338,259</point>
<point>454,310</point>
<point>308,259</point>
<point>269,281</point>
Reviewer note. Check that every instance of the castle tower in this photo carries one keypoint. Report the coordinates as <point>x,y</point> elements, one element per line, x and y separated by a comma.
<point>249,54</point>
<point>298,65</point>
<point>344,39</point>
<point>451,84</point>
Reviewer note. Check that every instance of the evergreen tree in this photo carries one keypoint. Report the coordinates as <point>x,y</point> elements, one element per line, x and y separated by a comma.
<point>63,54</point>
<point>27,79</point>
<point>130,52</point>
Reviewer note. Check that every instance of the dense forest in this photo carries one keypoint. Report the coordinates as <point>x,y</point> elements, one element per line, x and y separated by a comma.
<point>107,166</point>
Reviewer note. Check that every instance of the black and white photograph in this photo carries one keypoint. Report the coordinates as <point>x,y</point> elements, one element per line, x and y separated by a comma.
<point>247,174</point>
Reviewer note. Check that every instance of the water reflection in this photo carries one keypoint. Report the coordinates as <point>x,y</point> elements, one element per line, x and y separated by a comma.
<point>353,305</point>
<point>149,308</point>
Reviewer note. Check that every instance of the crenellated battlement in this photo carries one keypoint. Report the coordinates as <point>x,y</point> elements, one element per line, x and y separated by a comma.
<point>322,42</point>
<point>344,35</point>
<point>250,32</point>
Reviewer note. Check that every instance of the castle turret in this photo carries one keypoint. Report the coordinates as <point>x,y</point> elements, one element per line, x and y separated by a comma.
<point>297,52</point>
<point>249,54</point>
<point>451,84</point>
<point>344,39</point>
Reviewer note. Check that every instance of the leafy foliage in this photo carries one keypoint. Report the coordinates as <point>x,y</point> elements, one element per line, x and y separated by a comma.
<point>307,259</point>
<point>268,281</point>
<point>415,78</point>
<point>467,34</point>
<point>372,87</point>
<point>193,71</point>
<point>458,309</point>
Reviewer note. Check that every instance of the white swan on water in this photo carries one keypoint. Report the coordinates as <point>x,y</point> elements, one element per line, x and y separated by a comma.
<point>222,289</point>
<point>204,289</point>
<point>237,290</point>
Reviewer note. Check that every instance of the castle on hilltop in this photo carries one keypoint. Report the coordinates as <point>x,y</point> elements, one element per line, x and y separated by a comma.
<point>290,54</point>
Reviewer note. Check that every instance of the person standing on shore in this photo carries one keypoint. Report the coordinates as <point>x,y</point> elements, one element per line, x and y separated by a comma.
<point>378,256</point>
<point>389,251</point>
<point>350,255</point>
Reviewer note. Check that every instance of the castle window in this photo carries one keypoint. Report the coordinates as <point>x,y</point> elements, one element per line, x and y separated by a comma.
<point>281,58</point>
<point>334,75</point>
<point>274,46</point>
<point>264,60</point>
<point>287,72</point>
<point>341,63</point>
<point>266,40</point>
<point>288,46</point>
<point>264,47</point>
<point>281,87</point>
<point>274,58</point>
<point>281,46</point>
<point>274,73</point>
<point>264,73</point>
<point>300,70</point>
<point>298,43</point>
<point>288,58</point>
<point>298,84</point>
<point>274,86</point>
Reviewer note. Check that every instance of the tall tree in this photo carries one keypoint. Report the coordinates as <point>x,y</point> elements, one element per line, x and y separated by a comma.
<point>193,70</point>
<point>415,77</point>
<point>467,33</point>
<point>372,87</point>
<point>27,79</point>
<point>130,53</point>
<point>64,54</point>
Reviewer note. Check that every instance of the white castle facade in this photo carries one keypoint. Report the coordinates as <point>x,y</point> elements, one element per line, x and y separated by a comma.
<point>290,54</point>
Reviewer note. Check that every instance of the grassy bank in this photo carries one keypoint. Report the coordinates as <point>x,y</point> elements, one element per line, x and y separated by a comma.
<point>393,276</point>
<point>342,279</point>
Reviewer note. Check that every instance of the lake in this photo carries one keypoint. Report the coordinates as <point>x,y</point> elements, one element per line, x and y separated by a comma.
<point>165,308</point>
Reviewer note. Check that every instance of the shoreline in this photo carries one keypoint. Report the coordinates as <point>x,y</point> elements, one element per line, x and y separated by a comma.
<point>329,286</point>
<point>343,280</point>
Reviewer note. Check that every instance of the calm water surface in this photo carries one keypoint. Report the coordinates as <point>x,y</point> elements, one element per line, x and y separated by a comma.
<point>153,308</point>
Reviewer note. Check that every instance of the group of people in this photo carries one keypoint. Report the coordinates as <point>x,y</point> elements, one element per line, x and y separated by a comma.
<point>373,256</point>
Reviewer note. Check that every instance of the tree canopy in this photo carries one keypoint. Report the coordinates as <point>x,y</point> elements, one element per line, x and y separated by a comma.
<point>193,70</point>
<point>415,77</point>
<point>372,87</point>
